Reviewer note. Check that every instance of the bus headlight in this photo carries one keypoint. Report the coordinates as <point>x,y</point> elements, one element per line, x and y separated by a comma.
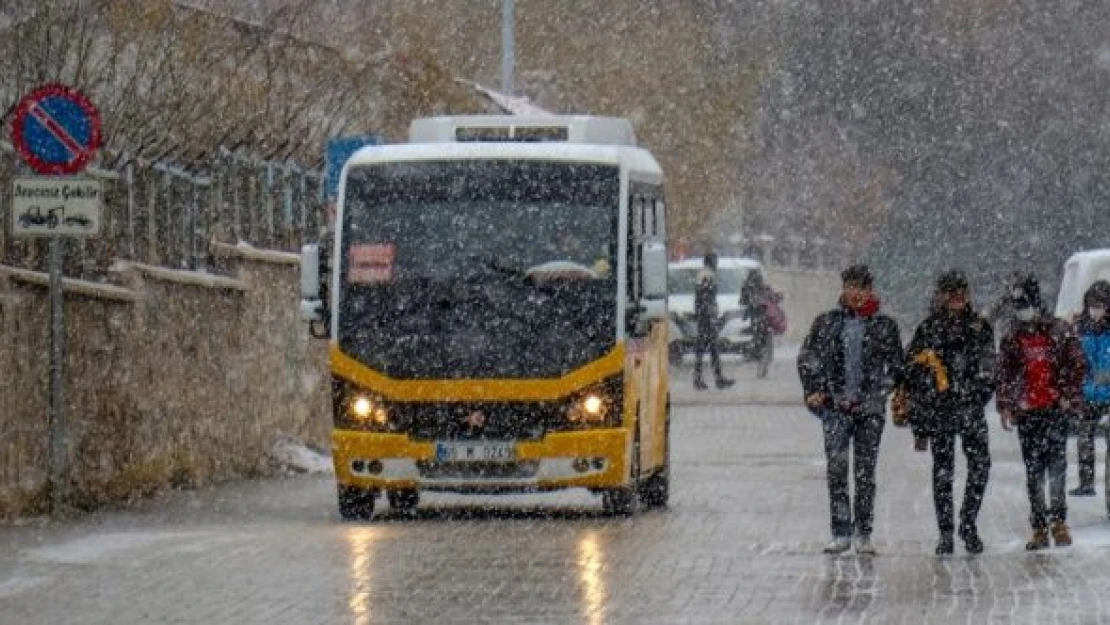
<point>366,410</point>
<point>590,409</point>
<point>360,409</point>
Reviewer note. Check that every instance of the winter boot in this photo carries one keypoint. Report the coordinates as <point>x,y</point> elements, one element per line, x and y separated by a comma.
<point>839,544</point>
<point>1039,540</point>
<point>1083,490</point>
<point>945,546</point>
<point>1060,534</point>
<point>972,542</point>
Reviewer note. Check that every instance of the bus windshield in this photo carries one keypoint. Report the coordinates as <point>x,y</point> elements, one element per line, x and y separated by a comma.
<point>478,269</point>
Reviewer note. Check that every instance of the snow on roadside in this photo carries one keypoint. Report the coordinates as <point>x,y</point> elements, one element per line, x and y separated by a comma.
<point>296,456</point>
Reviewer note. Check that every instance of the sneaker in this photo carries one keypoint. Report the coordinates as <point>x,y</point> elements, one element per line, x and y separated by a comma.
<point>1039,540</point>
<point>972,542</point>
<point>864,546</point>
<point>725,382</point>
<point>945,546</point>
<point>701,385</point>
<point>1082,491</point>
<point>839,544</point>
<point>1060,534</point>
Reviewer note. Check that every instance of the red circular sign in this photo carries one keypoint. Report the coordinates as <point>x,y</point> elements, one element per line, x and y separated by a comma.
<point>56,129</point>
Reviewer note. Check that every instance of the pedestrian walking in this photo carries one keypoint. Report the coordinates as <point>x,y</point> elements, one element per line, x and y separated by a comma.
<point>1000,312</point>
<point>848,364</point>
<point>949,379</point>
<point>1040,384</point>
<point>1093,329</point>
<point>705,312</point>
<point>761,306</point>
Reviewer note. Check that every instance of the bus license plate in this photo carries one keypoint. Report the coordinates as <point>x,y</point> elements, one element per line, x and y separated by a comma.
<point>476,451</point>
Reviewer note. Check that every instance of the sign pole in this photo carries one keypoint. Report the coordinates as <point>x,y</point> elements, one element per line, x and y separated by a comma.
<point>56,129</point>
<point>59,456</point>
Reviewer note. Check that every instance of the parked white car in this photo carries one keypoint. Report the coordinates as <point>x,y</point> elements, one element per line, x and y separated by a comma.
<point>735,335</point>
<point>1080,271</point>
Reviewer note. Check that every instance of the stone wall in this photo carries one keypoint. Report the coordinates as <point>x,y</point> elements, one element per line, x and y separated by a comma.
<point>172,378</point>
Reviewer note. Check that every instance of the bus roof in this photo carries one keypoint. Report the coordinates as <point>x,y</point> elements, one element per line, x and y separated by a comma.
<point>639,162</point>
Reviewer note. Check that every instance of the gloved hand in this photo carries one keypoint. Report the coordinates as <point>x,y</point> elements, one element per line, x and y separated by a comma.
<point>900,408</point>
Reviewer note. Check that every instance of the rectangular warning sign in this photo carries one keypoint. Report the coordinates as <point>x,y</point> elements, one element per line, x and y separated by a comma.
<point>56,207</point>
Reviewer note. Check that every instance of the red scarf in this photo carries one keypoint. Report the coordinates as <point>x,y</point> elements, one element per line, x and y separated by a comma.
<point>868,310</point>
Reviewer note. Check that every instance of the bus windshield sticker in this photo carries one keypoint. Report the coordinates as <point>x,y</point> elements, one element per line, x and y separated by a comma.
<point>371,263</point>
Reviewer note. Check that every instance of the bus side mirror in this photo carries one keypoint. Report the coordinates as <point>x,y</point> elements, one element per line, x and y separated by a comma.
<point>310,271</point>
<point>314,308</point>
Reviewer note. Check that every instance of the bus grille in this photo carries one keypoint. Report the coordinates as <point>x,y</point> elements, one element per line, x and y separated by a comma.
<point>468,421</point>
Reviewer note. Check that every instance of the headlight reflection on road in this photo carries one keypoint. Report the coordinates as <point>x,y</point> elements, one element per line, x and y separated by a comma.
<point>360,548</point>
<point>591,577</point>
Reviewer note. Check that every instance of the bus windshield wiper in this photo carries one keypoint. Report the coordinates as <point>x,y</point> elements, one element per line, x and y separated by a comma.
<point>497,266</point>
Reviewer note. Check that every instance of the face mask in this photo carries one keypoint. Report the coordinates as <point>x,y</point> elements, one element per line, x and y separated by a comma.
<point>1096,312</point>
<point>1026,314</point>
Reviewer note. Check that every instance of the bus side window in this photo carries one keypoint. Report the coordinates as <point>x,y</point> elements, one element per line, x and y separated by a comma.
<point>660,214</point>
<point>635,256</point>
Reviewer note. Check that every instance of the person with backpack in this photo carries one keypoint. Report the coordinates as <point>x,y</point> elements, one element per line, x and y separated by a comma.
<point>1040,384</point>
<point>950,377</point>
<point>848,364</point>
<point>1093,329</point>
<point>762,309</point>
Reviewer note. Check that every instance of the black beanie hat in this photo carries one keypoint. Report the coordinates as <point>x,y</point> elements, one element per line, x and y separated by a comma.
<point>1097,293</point>
<point>857,274</point>
<point>952,281</point>
<point>1026,293</point>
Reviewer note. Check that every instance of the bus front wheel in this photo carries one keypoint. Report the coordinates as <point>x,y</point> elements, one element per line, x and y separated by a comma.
<point>356,504</point>
<point>655,491</point>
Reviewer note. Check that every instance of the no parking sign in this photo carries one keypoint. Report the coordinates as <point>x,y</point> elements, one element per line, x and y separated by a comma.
<point>56,129</point>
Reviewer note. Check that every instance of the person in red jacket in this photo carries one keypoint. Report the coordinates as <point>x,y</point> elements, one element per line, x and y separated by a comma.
<point>1040,385</point>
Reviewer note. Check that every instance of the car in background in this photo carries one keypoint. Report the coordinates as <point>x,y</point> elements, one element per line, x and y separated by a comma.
<point>1080,271</point>
<point>735,334</point>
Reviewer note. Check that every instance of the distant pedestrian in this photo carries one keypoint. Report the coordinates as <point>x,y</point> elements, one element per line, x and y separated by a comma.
<point>1093,329</point>
<point>950,377</point>
<point>761,308</point>
<point>1000,312</point>
<point>1040,384</point>
<point>848,364</point>
<point>706,314</point>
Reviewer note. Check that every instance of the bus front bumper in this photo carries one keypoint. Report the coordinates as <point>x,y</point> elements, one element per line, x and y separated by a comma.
<point>592,459</point>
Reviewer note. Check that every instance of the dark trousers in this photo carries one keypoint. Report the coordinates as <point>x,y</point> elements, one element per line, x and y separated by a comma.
<point>1044,441</point>
<point>707,341</point>
<point>862,434</point>
<point>971,426</point>
<point>1085,442</point>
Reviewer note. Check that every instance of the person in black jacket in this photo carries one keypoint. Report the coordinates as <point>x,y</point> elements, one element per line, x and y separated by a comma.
<point>848,364</point>
<point>950,375</point>
<point>705,313</point>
